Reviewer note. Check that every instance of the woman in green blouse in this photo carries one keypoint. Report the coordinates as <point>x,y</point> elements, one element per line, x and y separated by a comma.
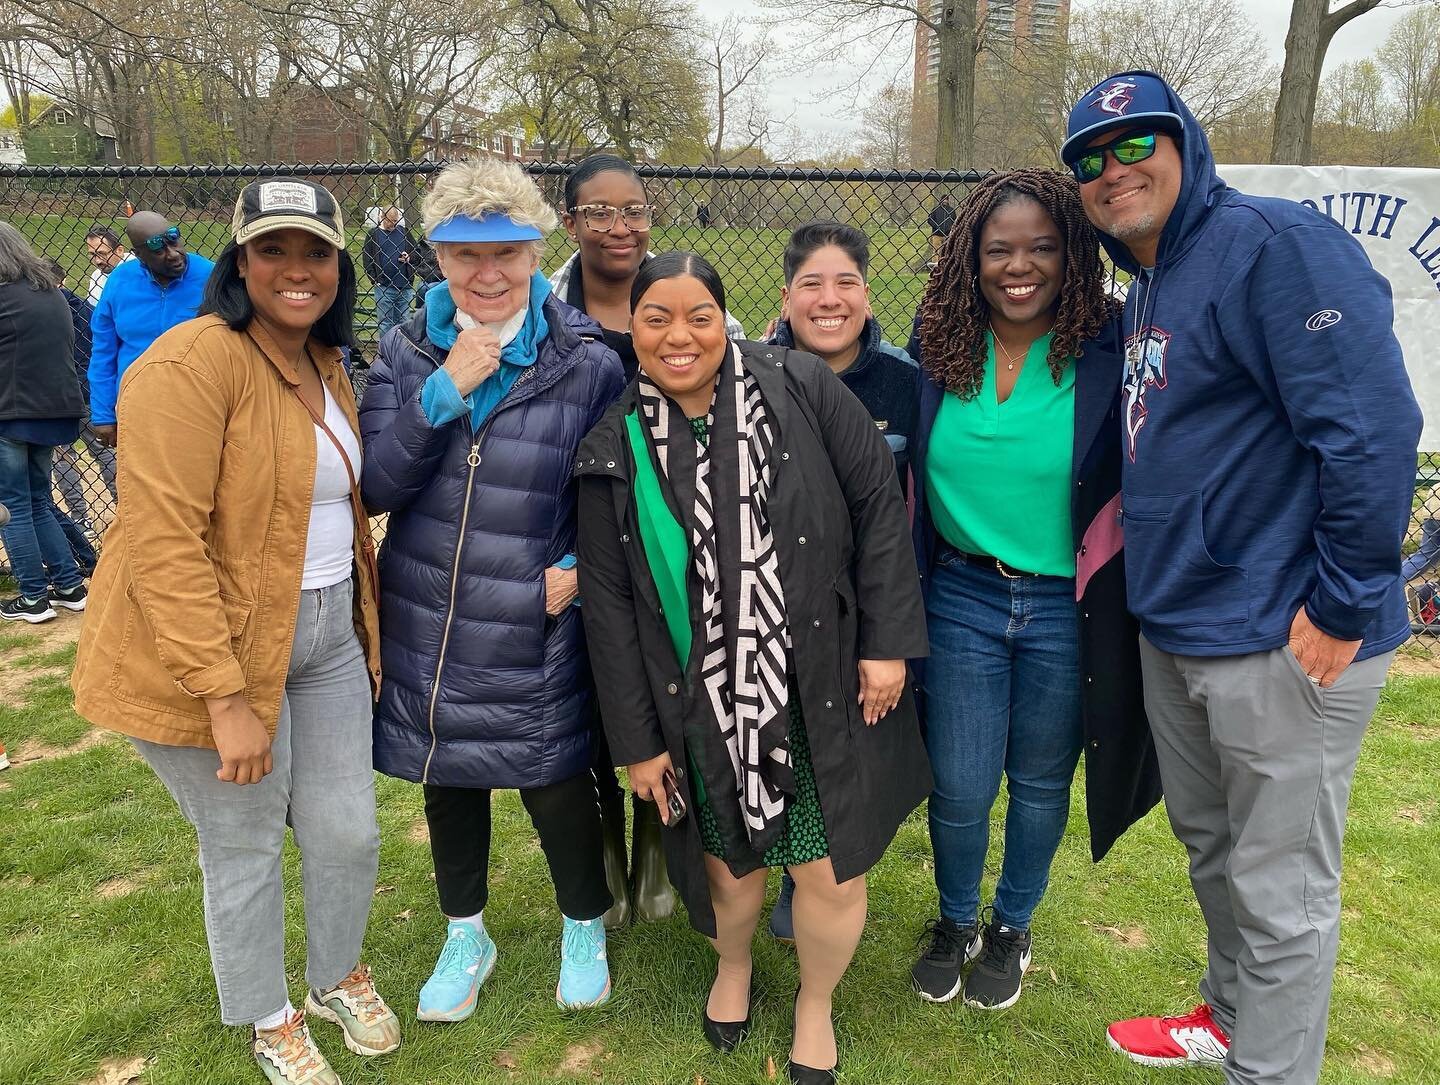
<point>750,600</point>
<point>1018,348</point>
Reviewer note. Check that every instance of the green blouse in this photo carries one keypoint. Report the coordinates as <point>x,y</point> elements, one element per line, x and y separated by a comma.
<point>997,475</point>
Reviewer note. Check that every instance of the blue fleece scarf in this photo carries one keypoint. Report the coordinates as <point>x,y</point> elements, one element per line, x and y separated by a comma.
<point>520,351</point>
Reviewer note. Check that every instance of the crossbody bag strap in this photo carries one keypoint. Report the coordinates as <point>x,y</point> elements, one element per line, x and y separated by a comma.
<point>357,506</point>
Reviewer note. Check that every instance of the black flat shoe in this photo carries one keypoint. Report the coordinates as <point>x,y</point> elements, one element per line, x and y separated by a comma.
<point>808,1075</point>
<point>801,1074</point>
<point>726,1036</point>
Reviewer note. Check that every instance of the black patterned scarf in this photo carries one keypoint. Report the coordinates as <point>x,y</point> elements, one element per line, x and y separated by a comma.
<point>745,638</point>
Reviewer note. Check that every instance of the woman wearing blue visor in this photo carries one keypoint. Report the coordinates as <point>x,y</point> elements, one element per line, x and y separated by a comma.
<point>471,421</point>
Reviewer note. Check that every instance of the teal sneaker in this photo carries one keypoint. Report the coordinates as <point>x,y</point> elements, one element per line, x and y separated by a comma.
<point>584,973</point>
<point>465,963</point>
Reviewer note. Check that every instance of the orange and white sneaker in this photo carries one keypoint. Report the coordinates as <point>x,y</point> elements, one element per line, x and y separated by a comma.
<point>367,1024</point>
<point>1193,1039</point>
<point>288,1056</point>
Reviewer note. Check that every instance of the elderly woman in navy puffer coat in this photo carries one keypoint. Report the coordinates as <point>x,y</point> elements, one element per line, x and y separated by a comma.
<point>471,422</point>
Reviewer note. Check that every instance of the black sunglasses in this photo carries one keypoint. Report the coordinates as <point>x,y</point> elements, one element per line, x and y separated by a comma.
<point>1128,149</point>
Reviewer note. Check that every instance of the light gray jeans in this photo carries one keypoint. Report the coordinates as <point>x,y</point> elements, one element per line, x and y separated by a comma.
<point>323,786</point>
<point>1257,762</point>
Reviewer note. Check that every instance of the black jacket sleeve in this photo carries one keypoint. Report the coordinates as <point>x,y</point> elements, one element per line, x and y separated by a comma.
<point>370,257</point>
<point>617,658</point>
<point>887,583</point>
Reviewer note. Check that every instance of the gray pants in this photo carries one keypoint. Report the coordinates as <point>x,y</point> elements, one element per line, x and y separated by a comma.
<point>1257,762</point>
<point>323,785</point>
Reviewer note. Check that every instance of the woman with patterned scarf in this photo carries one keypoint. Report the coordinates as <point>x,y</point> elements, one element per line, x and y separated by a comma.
<point>751,597</point>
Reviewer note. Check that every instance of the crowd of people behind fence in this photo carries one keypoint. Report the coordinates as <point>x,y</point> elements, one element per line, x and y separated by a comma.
<point>795,585</point>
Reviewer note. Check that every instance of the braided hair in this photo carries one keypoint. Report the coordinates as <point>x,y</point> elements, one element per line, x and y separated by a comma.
<point>954,315</point>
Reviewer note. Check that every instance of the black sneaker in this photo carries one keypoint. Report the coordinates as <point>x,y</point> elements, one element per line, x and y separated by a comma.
<point>74,599</point>
<point>994,982</point>
<point>21,609</point>
<point>937,974</point>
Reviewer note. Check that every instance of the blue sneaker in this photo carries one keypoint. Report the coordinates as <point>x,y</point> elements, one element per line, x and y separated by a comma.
<point>465,963</point>
<point>782,923</point>
<point>584,973</point>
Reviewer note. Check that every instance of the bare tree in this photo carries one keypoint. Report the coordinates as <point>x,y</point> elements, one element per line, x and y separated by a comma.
<point>636,62</point>
<point>1312,26</point>
<point>885,133</point>
<point>841,25</point>
<point>394,64</point>
<point>736,68</point>
<point>98,58</point>
<point>1411,58</point>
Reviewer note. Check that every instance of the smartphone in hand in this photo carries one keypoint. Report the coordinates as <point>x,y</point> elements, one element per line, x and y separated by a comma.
<point>677,809</point>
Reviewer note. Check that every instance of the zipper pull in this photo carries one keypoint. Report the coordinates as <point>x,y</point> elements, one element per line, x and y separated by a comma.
<point>474,458</point>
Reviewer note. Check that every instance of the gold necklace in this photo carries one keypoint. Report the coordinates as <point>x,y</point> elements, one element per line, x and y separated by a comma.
<point>1009,358</point>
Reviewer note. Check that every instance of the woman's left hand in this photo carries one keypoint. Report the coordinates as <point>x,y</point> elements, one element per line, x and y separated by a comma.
<point>882,681</point>
<point>561,587</point>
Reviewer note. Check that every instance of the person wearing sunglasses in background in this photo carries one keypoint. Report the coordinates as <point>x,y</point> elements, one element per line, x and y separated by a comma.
<point>143,298</point>
<point>608,216</point>
<point>1269,434</point>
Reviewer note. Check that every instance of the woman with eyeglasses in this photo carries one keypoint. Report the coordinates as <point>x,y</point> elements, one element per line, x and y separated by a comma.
<point>231,631</point>
<point>608,215</point>
<point>1032,652</point>
<point>143,298</point>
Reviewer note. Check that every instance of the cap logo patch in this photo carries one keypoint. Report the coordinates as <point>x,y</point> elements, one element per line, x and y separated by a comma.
<point>1325,318</point>
<point>287,196</point>
<point>1115,98</point>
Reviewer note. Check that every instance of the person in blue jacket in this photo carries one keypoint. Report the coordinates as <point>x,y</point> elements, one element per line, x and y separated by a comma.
<point>1269,435</point>
<point>143,298</point>
<point>471,420</point>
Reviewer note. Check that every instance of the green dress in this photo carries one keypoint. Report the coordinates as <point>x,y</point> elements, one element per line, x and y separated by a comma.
<point>667,552</point>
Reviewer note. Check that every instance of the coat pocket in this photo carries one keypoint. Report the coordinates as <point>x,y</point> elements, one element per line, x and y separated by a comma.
<point>1172,579</point>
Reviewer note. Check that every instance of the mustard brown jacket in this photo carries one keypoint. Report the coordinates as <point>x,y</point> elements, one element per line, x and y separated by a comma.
<point>198,585</point>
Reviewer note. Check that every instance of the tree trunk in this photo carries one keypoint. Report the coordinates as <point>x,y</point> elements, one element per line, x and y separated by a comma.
<point>955,114</point>
<point>1312,26</point>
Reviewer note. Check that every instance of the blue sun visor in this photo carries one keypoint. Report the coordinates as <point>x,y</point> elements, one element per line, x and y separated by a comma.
<point>495,226</point>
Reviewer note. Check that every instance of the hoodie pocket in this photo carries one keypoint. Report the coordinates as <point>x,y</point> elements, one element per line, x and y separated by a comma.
<point>1172,579</point>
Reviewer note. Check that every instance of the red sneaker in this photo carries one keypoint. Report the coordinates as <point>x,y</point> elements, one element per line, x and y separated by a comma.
<point>1194,1039</point>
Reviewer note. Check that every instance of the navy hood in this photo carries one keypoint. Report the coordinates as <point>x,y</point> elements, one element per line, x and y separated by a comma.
<point>869,343</point>
<point>1201,188</point>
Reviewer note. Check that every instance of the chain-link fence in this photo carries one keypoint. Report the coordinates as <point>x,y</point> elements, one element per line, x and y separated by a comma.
<point>738,219</point>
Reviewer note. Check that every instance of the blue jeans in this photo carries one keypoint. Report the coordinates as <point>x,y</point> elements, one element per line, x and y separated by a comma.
<point>39,555</point>
<point>392,306</point>
<point>1002,696</point>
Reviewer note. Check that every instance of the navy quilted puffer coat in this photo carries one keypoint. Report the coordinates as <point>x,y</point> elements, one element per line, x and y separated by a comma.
<point>481,688</point>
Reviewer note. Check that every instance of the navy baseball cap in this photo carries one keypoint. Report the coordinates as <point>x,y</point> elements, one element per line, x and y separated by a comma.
<point>1127,100</point>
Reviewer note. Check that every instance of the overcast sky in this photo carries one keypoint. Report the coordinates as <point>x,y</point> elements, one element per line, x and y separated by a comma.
<point>802,92</point>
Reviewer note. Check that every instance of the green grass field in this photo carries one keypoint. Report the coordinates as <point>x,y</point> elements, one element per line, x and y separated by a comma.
<point>748,261</point>
<point>102,955</point>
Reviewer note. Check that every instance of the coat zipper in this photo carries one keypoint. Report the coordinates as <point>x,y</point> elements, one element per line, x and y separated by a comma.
<point>473,460</point>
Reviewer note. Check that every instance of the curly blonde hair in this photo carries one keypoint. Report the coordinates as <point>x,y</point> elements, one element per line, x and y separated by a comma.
<point>476,187</point>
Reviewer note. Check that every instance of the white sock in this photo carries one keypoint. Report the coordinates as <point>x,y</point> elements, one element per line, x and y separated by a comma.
<point>477,921</point>
<point>276,1019</point>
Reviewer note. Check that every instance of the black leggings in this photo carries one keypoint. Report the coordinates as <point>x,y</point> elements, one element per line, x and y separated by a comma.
<point>566,817</point>
<point>607,783</point>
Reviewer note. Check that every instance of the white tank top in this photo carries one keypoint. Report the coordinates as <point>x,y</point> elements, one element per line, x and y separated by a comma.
<point>329,547</point>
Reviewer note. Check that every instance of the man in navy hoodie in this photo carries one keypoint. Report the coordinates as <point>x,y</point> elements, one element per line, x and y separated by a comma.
<point>1270,436</point>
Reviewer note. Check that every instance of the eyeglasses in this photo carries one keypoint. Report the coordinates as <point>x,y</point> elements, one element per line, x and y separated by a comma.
<point>600,217</point>
<point>159,241</point>
<point>1128,149</point>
